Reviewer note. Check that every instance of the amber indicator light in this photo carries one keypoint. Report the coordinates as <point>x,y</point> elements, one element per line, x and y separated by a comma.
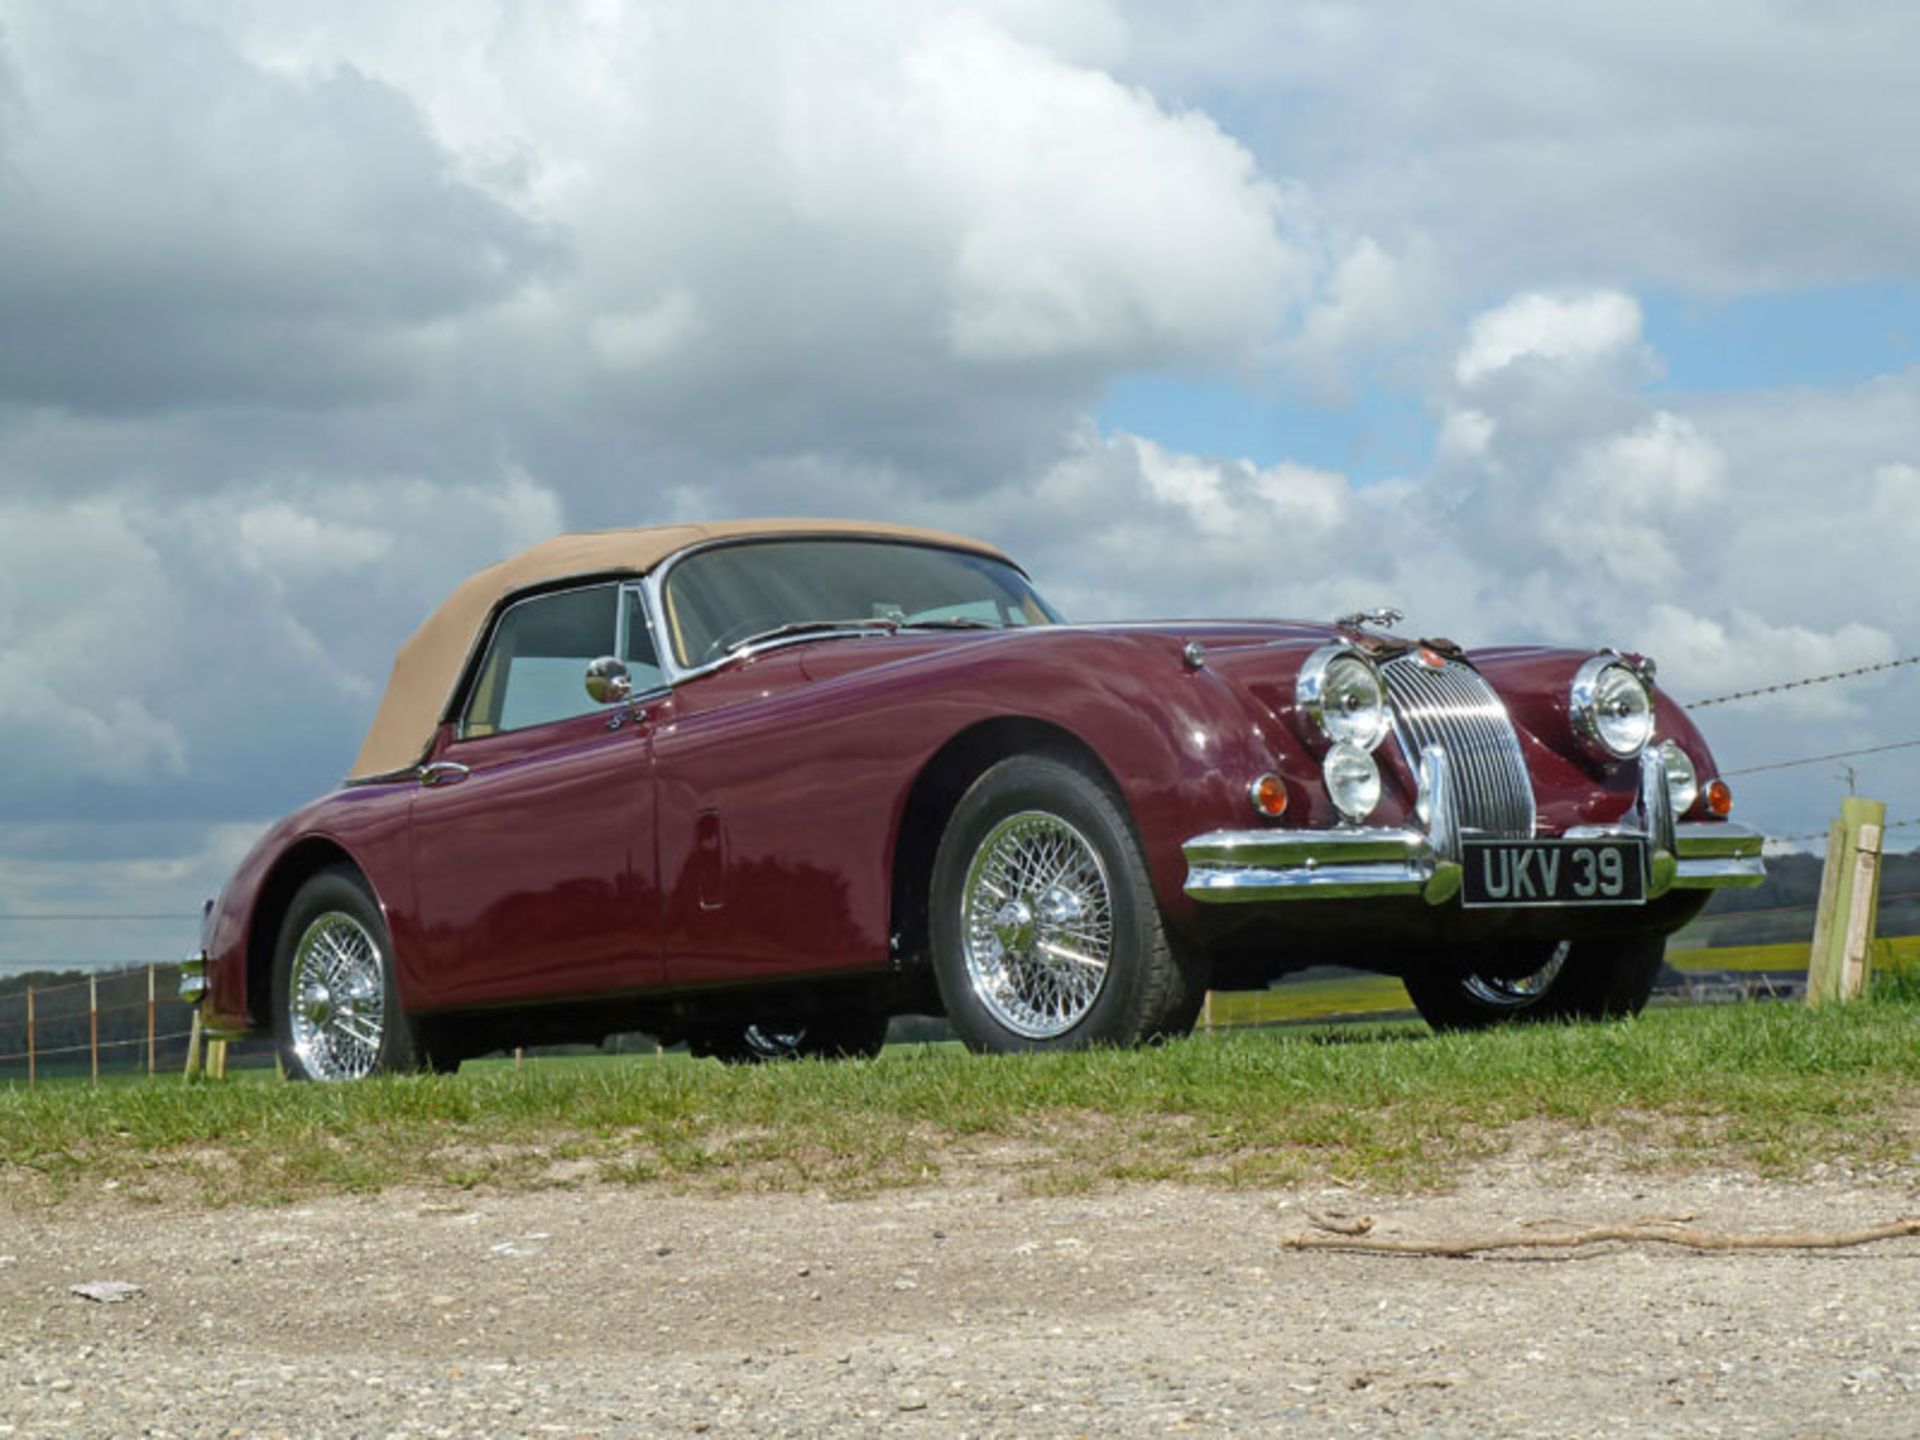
<point>1270,796</point>
<point>1720,798</point>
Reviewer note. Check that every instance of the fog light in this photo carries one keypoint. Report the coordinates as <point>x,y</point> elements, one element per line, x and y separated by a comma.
<point>1720,798</point>
<point>1683,784</point>
<point>1353,780</point>
<point>1269,795</point>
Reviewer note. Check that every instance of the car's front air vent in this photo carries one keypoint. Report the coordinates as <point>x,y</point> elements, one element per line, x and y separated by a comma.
<point>1453,707</point>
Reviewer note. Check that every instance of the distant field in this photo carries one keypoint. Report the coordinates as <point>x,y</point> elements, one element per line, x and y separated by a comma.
<point>1898,953</point>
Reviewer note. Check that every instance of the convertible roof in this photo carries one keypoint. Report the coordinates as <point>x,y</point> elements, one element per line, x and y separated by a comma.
<point>430,663</point>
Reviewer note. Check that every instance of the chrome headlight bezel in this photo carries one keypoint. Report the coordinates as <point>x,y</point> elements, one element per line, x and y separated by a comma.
<point>1599,688</point>
<point>1343,693</point>
<point>1352,778</point>
<point>1683,777</point>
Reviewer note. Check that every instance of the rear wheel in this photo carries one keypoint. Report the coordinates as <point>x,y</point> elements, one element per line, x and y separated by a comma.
<point>336,1006</point>
<point>1551,980</point>
<point>858,1036</point>
<point>1046,933</point>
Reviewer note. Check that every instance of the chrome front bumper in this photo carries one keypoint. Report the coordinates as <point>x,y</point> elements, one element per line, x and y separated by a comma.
<point>193,978</point>
<point>1229,866</point>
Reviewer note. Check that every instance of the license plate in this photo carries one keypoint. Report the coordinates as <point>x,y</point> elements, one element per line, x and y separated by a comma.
<point>1508,873</point>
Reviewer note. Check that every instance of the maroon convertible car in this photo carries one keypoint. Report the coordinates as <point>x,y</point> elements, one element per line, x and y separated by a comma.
<point>760,786</point>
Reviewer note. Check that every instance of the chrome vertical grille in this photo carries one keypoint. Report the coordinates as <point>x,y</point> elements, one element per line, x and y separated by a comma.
<point>1453,707</point>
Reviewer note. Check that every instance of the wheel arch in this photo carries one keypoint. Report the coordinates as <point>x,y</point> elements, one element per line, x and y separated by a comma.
<point>296,865</point>
<point>938,788</point>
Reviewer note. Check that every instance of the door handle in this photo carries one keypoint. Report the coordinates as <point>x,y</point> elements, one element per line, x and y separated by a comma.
<point>634,715</point>
<point>443,772</point>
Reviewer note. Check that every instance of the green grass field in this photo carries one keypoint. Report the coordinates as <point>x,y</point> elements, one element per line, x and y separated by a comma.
<point>1776,1088</point>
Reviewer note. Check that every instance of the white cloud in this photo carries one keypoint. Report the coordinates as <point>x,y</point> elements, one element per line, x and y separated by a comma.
<point>650,335</point>
<point>142,639</point>
<point>1090,221</point>
<point>948,184</point>
<point>1633,502</point>
<point>88,619</point>
<point>277,538</point>
<point>1715,149</point>
<point>1374,301</point>
<point>1602,328</point>
<point>183,227</point>
<point>1742,650</point>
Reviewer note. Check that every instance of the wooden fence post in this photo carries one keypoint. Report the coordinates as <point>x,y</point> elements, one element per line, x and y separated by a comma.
<point>150,1068</point>
<point>1839,965</point>
<point>194,1038</point>
<point>93,1026</point>
<point>32,1066</point>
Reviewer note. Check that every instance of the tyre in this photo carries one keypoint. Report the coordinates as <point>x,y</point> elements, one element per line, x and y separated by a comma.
<point>1564,980</point>
<point>336,1007</point>
<point>857,1036</point>
<point>1046,934</point>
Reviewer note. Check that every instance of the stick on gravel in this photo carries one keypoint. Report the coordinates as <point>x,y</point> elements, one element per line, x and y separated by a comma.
<point>1686,1236</point>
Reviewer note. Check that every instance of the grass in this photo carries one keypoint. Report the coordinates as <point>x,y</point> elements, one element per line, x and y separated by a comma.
<point>1774,1088</point>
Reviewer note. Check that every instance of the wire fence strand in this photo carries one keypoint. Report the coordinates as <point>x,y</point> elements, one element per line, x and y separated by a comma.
<point>1818,759</point>
<point>40,1054</point>
<point>1782,686</point>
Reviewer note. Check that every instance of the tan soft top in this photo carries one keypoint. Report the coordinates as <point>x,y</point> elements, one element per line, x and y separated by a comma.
<point>430,663</point>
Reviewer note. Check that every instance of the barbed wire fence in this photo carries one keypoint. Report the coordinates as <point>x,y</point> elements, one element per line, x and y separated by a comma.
<point>1780,687</point>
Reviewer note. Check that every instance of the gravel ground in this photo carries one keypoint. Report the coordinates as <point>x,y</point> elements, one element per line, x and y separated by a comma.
<point>956,1311</point>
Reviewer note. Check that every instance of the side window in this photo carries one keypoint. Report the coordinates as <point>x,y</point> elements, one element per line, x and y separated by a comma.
<point>536,665</point>
<point>643,661</point>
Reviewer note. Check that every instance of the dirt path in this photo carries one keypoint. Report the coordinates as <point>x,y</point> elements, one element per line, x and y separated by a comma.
<point>948,1312</point>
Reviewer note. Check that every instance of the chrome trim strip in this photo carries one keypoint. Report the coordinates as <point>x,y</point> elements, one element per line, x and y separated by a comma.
<point>655,584</point>
<point>1455,708</point>
<point>1718,856</point>
<point>1440,801</point>
<point>1310,691</point>
<point>1656,801</point>
<point>194,984</point>
<point>1252,866</point>
<point>1583,706</point>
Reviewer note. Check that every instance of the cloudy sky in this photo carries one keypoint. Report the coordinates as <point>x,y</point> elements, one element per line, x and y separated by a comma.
<point>1595,327</point>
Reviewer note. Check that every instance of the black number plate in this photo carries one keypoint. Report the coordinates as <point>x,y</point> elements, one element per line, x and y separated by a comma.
<point>1507,873</point>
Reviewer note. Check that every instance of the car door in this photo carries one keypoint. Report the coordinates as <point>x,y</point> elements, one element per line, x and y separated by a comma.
<point>533,830</point>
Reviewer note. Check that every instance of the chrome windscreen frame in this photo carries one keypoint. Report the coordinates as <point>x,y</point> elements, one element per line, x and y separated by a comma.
<point>1260,866</point>
<point>654,586</point>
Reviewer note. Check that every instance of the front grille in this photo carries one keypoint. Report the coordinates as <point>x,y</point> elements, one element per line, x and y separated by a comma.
<point>1453,707</point>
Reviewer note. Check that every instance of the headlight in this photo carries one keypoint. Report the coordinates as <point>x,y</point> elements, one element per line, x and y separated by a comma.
<point>1683,784</point>
<point>1341,691</point>
<point>1612,706</point>
<point>1353,780</point>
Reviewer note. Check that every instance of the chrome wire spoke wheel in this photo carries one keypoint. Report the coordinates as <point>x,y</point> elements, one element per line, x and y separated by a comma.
<point>1037,924</point>
<point>1520,990</point>
<point>775,1042</point>
<point>337,998</point>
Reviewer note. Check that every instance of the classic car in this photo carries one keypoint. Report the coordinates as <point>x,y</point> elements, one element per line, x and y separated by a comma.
<point>760,786</point>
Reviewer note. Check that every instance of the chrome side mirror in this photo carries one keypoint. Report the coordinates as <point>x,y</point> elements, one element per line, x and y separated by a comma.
<point>607,681</point>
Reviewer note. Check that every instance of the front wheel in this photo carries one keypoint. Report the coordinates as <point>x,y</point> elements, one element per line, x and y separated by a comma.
<point>336,1006</point>
<point>1563,980</point>
<point>1046,933</point>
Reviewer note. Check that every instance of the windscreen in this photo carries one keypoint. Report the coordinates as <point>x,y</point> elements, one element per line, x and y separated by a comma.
<point>718,597</point>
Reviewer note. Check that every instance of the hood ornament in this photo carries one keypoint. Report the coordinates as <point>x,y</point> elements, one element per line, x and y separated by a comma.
<point>1381,617</point>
